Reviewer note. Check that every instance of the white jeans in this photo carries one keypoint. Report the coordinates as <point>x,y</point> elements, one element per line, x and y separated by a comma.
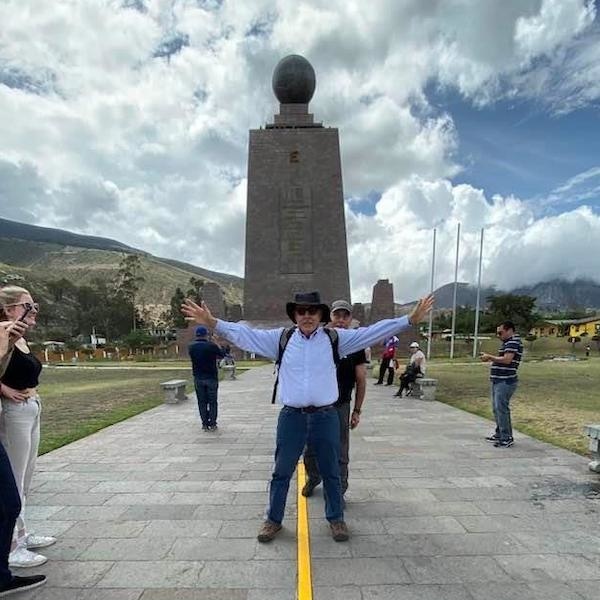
<point>20,436</point>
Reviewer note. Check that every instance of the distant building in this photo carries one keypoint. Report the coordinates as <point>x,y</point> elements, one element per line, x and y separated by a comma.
<point>586,326</point>
<point>548,329</point>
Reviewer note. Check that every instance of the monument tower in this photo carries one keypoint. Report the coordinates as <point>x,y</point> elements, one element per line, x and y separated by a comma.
<point>295,227</point>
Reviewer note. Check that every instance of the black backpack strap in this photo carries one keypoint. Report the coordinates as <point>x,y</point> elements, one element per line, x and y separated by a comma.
<point>284,338</point>
<point>334,338</point>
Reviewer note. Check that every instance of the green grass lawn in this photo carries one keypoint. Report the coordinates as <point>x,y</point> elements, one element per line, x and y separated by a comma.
<point>78,402</point>
<point>542,347</point>
<point>553,402</point>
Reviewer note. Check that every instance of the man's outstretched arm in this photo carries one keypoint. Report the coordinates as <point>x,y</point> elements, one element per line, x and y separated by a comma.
<point>261,341</point>
<point>352,340</point>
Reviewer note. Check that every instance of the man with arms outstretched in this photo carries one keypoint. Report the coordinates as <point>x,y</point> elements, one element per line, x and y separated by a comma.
<point>308,391</point>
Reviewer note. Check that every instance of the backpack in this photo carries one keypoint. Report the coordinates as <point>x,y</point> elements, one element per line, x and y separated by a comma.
<point>286,334</point>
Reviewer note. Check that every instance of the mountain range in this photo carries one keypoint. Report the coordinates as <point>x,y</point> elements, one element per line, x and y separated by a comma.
<point>44,254</point>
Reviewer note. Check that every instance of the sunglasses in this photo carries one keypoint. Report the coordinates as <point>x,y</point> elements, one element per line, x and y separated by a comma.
<point>28,305</point>
<point>311,310</point>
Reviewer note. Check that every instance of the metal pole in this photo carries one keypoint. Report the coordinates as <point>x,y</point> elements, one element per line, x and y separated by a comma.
<point>475,337</point>
<point>455,293</point>
<point>431,291</point>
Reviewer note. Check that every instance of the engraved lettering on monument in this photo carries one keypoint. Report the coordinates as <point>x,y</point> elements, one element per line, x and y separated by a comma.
<point>296,230</point>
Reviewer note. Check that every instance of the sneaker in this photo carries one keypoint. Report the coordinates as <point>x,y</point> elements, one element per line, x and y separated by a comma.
<point>309,488</point>
<point>268,531</point>
<point>39,541</point>
<point>397,395</point>
<point>213,427</point>
<point>339,531</point>
<point>504,443</point>
<point>205,428</point>
<point>377,383</point>
<point>492,438</point>
<point>21,557</point>
<point>22,584</point>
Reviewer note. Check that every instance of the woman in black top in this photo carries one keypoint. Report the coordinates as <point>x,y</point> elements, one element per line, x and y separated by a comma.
<point>20,419</point>
<point>10,502</point>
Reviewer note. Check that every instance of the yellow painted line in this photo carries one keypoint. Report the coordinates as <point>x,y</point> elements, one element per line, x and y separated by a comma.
<point>304,572</point>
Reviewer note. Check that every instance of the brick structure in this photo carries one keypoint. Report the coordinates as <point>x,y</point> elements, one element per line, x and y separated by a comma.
<point>295,226</point>
<point>234,312</point>
<point>358,313</point>
<point>213,296</point>
<point>382,303</point>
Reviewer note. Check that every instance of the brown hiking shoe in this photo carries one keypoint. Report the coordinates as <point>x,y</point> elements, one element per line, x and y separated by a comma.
<point>268,531</point>
<point>339,531</point>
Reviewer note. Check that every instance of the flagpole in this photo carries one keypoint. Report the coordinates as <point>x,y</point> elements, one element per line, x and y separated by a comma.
<point>475,338</point>
<point>431,291</point>
<point>455,292</point>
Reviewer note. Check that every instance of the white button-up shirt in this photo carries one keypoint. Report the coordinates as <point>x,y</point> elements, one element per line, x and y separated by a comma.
<point>307,374</point>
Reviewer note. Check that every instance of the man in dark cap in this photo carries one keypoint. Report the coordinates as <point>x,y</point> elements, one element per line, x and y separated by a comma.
<point>204,355</point>
<point>308,391</point>
<point>351,373</point>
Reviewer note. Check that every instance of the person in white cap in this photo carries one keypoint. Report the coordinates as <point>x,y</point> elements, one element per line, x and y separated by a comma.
<point>415,368</point>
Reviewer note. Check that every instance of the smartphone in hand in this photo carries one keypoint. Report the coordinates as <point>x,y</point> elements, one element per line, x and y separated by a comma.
<point>28,309</point>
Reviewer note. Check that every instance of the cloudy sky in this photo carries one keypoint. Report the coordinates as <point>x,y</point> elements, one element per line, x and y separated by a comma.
<point>129,119</point>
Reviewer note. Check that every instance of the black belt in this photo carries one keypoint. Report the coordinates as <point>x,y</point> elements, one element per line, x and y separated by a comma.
<point>309,409</point>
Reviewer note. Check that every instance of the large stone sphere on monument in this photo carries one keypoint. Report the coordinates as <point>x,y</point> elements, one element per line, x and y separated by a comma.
<point>294,80</point>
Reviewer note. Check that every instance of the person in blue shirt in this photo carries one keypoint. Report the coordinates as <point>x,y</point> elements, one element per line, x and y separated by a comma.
<point>205,355</point>
<point>503,375</point>
<point>308,391</point>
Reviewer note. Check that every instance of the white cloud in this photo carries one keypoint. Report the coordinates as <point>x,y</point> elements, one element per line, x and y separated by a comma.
<point>132,123</point>
<point>518,248</point>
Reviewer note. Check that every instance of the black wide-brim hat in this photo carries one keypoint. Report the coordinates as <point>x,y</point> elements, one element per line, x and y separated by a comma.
<point>307,299</point>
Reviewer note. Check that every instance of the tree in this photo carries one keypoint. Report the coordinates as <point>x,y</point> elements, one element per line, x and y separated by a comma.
<point>138,339</point>
<point>510,307</point>
<point>59,288</point>
<point>195,292</point>
<point>174,316</point>
<point>130,279</point>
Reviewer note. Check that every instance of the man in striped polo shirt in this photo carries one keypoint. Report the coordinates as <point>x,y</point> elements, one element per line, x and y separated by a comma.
<point>503,375</point>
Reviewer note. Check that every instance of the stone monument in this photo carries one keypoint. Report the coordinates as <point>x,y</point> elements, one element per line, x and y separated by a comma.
<point>212,294</point>
<point>295,226</point>
<point>382,303</point>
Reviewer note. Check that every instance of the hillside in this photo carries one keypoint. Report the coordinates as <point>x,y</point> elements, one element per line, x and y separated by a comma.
<point>41,255</point>
<point>551,296</point>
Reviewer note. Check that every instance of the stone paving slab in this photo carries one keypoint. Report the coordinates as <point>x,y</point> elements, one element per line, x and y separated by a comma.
<point>154,509</point>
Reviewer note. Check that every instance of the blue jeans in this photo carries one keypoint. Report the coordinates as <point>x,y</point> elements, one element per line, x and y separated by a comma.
<point>502,392</point>
<point>10,507</point>
<point>310,456</point>
<point>321,430</point>
<point>206,393</point>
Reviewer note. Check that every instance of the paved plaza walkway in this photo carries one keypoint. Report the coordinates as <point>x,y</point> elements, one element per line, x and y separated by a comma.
<point>155,509</point>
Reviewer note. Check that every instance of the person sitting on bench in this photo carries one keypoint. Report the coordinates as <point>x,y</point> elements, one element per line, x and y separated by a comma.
<point>415,368</point>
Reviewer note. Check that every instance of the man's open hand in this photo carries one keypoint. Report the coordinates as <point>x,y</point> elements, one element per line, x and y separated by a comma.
<point>421,310</point>
<point>199,314</point>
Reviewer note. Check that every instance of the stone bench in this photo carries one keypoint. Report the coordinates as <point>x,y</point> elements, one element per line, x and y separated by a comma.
<point>228,367</point>
<point>174,390</point>
<point>593,432</point>
<point>424,388</point>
